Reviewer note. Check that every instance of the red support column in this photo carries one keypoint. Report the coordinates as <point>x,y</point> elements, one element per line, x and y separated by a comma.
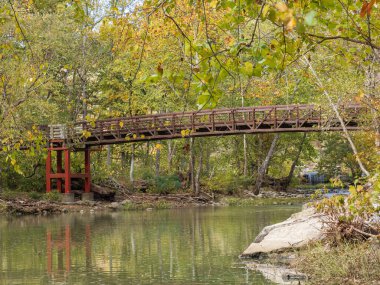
<point>67,172</point>
<point>59,170</point>
<point>87,181</point>
<point>48,171</point>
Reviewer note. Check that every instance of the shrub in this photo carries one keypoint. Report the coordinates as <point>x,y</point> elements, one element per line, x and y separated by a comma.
<point>228,184</point>
<point>349,216</point>
<point>164,184</point>
<point>53,196</point>
<point>35,195</point>
<point>10,195</point>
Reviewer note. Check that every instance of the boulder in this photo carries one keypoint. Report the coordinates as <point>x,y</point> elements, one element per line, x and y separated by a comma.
<point>297,231</point>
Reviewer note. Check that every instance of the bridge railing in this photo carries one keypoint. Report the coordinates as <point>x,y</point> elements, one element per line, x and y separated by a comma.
<point>247,119</point>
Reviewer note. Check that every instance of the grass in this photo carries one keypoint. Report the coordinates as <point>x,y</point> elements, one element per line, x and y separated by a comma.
<point>11,195</point>
<point>53,196</point>
<point>347,263</point>
<point>241,202</point>
<point>3,207</point>
<point>146,205</point>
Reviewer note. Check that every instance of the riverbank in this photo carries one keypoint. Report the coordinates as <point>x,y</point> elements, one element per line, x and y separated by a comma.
<point>347,263</point>
<point>24,203</point>
<point>318,248</point>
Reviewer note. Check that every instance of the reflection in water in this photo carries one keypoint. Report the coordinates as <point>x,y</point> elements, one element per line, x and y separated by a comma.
<point>58,248</point>
<point>183,246</point>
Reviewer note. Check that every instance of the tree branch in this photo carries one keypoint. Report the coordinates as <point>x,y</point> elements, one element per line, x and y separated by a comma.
<point>329,38</point>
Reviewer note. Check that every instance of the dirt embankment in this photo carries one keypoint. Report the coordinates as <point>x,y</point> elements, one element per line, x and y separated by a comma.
<point>27,206</point>
<point>24,205</point>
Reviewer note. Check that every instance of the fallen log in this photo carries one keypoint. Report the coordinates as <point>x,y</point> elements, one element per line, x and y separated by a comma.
<point>103,193</point>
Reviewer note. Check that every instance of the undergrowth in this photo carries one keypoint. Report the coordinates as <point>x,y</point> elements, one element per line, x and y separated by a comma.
<point>146,205</point>
<point>347,263</point>
<point>241,202</point>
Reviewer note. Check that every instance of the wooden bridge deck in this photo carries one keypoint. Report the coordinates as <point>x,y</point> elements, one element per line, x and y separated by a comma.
<point>218,122</point>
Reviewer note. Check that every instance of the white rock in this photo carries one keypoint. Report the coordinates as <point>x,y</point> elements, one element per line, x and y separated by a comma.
<point>297,231</point>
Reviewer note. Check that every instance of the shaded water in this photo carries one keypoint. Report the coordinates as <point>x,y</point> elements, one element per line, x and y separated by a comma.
<point>181,246</point>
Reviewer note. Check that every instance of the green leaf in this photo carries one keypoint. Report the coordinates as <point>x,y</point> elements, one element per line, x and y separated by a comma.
<point>257,70</point>
<point>248,68</point>
<point>203,99</point>
<point>265,11</point>
<point>153,78</point>
<point>309,18</point>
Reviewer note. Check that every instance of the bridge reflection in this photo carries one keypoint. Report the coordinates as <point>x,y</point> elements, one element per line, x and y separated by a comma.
<point>59,245</point>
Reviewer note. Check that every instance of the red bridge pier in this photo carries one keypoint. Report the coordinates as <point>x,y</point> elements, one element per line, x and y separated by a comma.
<point>63,173</point>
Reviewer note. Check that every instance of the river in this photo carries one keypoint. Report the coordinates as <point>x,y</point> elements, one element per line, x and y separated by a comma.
<point>177,246</point>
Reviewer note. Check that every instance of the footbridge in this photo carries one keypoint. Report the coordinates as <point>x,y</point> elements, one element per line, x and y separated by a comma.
<point>81,136</point>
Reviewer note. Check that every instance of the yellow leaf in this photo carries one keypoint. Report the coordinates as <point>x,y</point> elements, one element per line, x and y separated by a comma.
<point>158,146</point>
<point>86,134</point>
<point>281,6</point>
<point>291,24</point>
<point>213,3</point>
<point>121,124</point>
<point>185,133</point>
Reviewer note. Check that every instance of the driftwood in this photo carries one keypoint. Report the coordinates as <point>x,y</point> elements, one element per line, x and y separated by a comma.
<point>103,193</point>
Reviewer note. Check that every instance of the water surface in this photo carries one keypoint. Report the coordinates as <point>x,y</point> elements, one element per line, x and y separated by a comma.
<point>180,246</point>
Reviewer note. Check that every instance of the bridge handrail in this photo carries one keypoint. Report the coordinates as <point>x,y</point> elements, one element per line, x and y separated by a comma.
<point>190,118</point>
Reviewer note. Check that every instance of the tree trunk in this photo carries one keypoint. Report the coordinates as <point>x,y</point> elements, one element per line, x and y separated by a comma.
<point>157,163</point>
<point>147,157</point>
<point>208,154</point>
<point>132,168</point>
<point>109,155</point>
<point>294,164</point>
<point>263,168</point>
<point>245,154</point>
<point>371,83</point>
<point>171,152</point>
<point>123,160</point>
<point>198,175</point>
<point>192,165</point>
<point>336,111</point>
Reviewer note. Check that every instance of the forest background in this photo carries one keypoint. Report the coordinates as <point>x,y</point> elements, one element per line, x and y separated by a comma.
<point>62,61</point>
